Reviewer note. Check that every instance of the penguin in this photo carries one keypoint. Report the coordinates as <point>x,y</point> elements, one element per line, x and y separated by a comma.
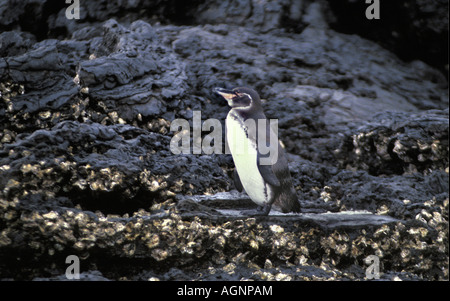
<point>264,175</point>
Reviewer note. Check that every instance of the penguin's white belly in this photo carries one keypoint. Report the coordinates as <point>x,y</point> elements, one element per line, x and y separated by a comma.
<point>245,158</point>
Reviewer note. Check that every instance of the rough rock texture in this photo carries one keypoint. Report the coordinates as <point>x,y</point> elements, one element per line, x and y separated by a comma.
<point>86,167</point>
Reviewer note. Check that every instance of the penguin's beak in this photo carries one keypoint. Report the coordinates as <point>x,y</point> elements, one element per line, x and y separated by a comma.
<point>228,95</point>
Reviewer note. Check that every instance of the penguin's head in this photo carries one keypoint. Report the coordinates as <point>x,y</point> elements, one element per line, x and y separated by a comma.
<point>240,98</point>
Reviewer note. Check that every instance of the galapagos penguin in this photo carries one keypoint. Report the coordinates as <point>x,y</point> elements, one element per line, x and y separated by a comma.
<point>261,164</point>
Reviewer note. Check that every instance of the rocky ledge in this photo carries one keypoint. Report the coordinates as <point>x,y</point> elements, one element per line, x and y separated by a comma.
<point>86,167</point>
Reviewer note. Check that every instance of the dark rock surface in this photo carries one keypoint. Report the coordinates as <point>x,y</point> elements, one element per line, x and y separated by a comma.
<point>86,167</point>
<point>411,29</point>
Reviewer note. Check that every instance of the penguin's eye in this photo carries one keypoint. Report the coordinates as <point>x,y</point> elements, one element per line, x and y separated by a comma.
<point>242,95</point>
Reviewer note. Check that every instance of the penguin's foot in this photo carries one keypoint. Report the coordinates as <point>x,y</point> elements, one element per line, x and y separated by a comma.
<point>260,211</point>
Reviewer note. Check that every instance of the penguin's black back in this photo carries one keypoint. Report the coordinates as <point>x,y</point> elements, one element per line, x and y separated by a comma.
<point>285,195</point>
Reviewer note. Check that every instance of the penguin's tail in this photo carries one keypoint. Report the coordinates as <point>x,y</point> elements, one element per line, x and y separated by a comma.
<point>288,201</point>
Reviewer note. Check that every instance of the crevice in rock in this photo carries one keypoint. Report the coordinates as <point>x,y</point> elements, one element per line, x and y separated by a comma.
<point>112,202</point>
<point>408,28</point>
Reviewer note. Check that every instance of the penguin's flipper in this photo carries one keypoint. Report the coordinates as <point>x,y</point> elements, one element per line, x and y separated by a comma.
<point>266,170</point>
<point>237,181</point>
<point>267,173</point>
